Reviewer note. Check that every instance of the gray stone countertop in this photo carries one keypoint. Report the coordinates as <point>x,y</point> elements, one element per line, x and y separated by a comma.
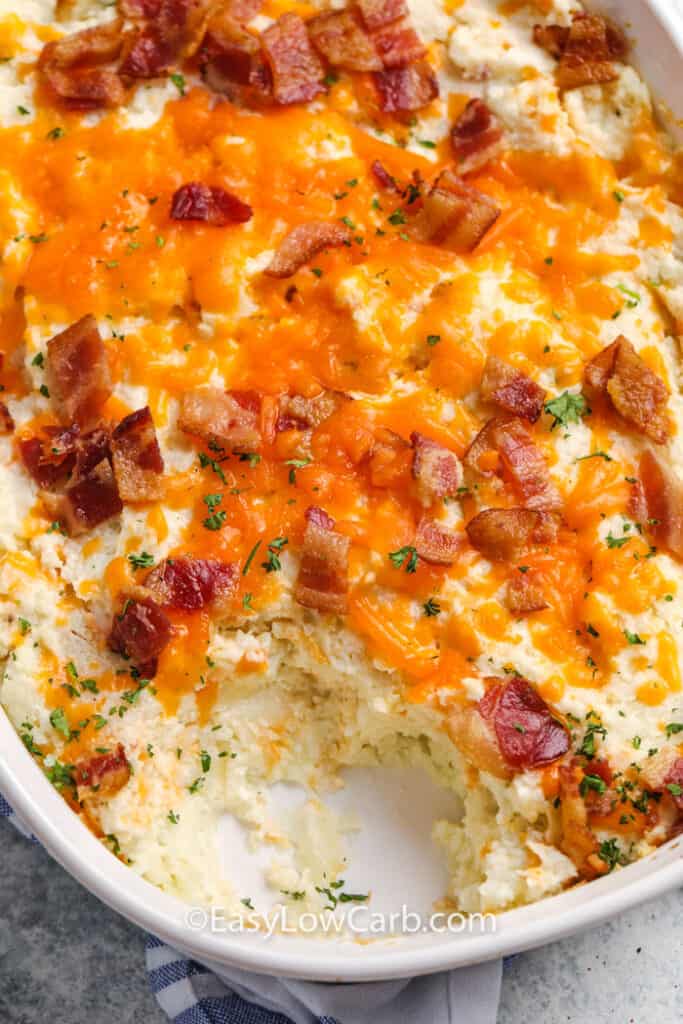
<point>67,959</point>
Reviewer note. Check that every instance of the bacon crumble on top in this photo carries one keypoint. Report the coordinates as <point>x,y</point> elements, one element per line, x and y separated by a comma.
<point>6,420</point>
<point>295,67</point>
<point>436,469</point>
<point>192,584</point>
<point>140,632</point>
<point>437,544</point>
<point>136,458</point>
<point>528,734</point>
<point>454,214</point>
<point>323,582</point>
<point>476,137</point>
<point>78,374</point>
<point>639,395</point>
<point>524,594</point>
<point>405,89</point>
<point>210,204</point>
<point>659,502</point>
<point>219,416</point>
<point>519,459</point>
<point>342,41</point>
<point>106,774</point>
<point>511,389</point>
<point>88,502</point>
<point>71,67</point>
<point>504,534</point>
<point>379,13</point>
<point>304,242</point>
<point>585,50</point>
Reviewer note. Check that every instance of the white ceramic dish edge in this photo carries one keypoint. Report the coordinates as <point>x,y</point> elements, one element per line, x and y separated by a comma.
<point>658,52</point>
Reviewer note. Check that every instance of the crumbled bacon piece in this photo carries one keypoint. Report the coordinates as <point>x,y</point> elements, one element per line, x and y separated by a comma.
<point>194,583</point>
<point>173,32</point>
<point>217,415</point>
<point>528,734</point>
<point>390,460</point>
<point>437,469</point>
<point>136,456</point>
<point>454,214</point>
<point>296,68</point>
<point>147,56</point>
<point>636,392</point>
<point>323,574</point>
<point>140,631</point>
<point>503,534</point>
<point>88,502</point>
<point>474,737</point>
<point>71,67</point>
<point>319,517</point>
<point>378,13</point>
<point>406,89</point>
<point>209,204</point>
<point>524,594</point>
<point>436,544</point>
<point>511,389</point>
<point>78,373</point>
<point>384,179</point>
<point>524,463</point>
<point>398,45</point>
<point>139,8</point>
<point>585,50</point>
<point>298,413</point>
<point>476,137</point>
<point>661,498</point>
<point>6,421</point>
<point>304,242</point>
<point>47,474</point>
<point>234,64</point>
<point>105,773</point>
<point>577,841</point>
<point>339,37</point>
<point>518,458</point>
<point>242,10</point>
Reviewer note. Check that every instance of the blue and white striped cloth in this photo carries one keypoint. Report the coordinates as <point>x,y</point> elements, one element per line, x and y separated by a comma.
<point>190,993</point>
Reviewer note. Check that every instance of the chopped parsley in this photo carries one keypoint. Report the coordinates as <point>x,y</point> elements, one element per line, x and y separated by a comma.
<point>406,555</point>
<point>566,408</point>
<point>431,608</point>
<point>179,82</point>
<point>142,561</point>
<point>334,896</point>
<point>273,563</point>
<point>38,360</point>
<point>633,298</point>
<point>205,760</point>
<point>633,638</point>
<point>173,817</point>
<point>617,542</point>
<point>594,455</point>
<point>619,196</point>
<point>610,853</point>
<point>433,339</point>
<point>56,133</point>
<point>206,460</point>
<point>58,721</point>
<point>246,602</point>
<point>592,782</point>
<point>296,464</point>
<point>215,520</point>
<point>397,217</point>
<point>24,626</point>
<point>673,728</point>
<point>587,747</point>
<point>675,789</point>
<point>196,785</point>
<point>250,557</point>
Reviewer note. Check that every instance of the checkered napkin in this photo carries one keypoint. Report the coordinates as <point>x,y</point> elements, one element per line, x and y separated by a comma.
<point>190,993</point>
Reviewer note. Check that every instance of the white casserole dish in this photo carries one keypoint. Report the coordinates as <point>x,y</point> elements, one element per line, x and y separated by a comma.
<point>658,48</point>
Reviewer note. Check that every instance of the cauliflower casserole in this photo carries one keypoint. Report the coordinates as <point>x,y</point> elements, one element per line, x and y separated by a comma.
<point>341,426</point>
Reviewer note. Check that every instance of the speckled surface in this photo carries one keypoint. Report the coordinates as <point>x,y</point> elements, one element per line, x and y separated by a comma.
<point>66,959</point>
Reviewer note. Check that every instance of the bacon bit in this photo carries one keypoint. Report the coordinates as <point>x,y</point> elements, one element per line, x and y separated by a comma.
<point>303,243</point>
<point>6,421</point>
<point>661,494</point>
<point>524,594</point>
<point>398,45</point>
<point>525,464</point>
<point>147,56</point>
<point>504,534</point>
<point>577,842</point>
<point>296,69</point>
<point>475,739</point>
<point>194,583</point>
<point>298,413</point>
<point>85,504</point>
<point>323,574</point>
<point>436,544</point>
<point>528,734</point>
<point>476,137</point>
<point>319,517</point>
<point>454,214</point>
<point>98,45</point>
<point>140,8</point>
<point>140,632</point>
<point>342,41</point>
<point>384,179</point>
<point>484,444</point>
<point>585,50</point>
<point>210,204</point>
<point>437,469</point>
<point>107,773</point>
<point>378,13</point>
<point>63,454</point>
<point>70,67</point>
<point>406,89</point>
<point>235,66</point>
<point>138,464</point>
<point>242,10</point>
<point>636,392</point>
<point>78,373</point>
<point>216,415</point>
<point>511,389</point>
<point>46,474</point>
